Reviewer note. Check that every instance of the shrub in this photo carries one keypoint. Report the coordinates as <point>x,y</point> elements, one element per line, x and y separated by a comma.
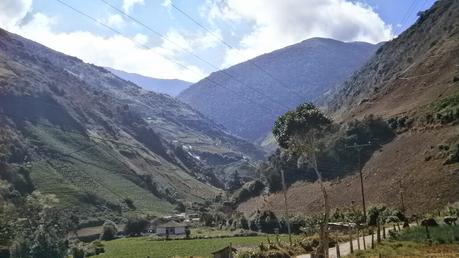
<point>449,220</point>
<point>109,231</point>
<point>430,222</point>
<point>77,252</point>
<point>130,203</point>
<point>95,248</point>
<point>135,226</point>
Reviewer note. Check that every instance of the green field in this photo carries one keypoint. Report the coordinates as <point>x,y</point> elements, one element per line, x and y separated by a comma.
<point>143,246</point>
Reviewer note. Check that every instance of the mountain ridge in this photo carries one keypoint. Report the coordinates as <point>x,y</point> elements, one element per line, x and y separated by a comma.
<point>96,140</point>
<point>302,72</point>
<point>172,87</point>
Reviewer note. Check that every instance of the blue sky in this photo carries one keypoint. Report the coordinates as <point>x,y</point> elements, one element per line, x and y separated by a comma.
<point>251,28</point>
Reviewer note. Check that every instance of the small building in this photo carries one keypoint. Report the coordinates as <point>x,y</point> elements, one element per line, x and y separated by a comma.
<point>226,252</point>
<point>171,228</point>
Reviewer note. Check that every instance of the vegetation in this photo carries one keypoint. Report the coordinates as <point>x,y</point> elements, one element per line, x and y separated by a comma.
<point>298,132</point>
<point>135,225</point>
<point>144,246</point>
<point>31,225</point>
<point>332,153</point>
<point>109,231</point>
<point>413,242</point>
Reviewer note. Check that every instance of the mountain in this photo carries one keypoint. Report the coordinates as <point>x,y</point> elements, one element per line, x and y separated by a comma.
<point>171,87</point>
<point>412,82</point>
<point>101,143</point>
<point>247,98</point>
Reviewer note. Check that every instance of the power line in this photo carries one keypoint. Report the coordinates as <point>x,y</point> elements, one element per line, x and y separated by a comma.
<point>229,46</point>
<point>192,54</point>
<point>408,13</point>
<point>170,59</point>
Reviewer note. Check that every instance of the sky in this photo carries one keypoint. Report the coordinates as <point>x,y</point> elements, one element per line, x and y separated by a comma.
<point>189,39</point>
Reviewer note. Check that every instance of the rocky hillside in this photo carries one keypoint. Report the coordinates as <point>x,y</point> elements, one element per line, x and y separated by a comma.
<point>302,72</point>
<point>413,83</point>
<point>102,143</point>
<point>413,70</point>
<point>170,87</point>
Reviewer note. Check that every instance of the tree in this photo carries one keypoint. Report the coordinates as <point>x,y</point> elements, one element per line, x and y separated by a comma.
<point>235,182</point>
<point>40,229</point>
<point>187,233</point>
<point>109,230</point>
<point>180,207</point>
<point>298,132</point>
<point>244,223</point>
<point>135,226</point>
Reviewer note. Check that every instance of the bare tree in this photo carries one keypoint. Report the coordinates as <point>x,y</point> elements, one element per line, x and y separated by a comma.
<point>298,132</point>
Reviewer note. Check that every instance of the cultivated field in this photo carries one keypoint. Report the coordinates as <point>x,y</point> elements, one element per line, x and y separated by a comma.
<point>144,246</point>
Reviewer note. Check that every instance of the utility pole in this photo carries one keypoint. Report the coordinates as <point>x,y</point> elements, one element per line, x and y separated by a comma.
<point>401,197</point>
<point>287,219</point>
<point>358,148</point>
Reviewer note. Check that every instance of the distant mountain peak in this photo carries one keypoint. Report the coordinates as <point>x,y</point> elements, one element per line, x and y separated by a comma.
<point>305,71</point>
<point>172,87</point>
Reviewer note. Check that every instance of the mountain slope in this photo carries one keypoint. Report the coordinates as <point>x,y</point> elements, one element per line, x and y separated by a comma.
<point>413,83</point>
<point>412,70</point>
<point>170,87</point>
<point>96,140</point>
<point>306,72</point>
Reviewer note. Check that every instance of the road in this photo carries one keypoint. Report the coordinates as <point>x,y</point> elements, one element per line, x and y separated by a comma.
<point>345,248</point>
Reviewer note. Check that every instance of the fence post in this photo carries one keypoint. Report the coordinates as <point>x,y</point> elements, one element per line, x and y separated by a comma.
<point>363,239</point>
<point>384,231</point>
<point>358,239</point>
<point>338,253</point>
<point>372,240</point>
<point>350,240</point>
<point>378,236</point>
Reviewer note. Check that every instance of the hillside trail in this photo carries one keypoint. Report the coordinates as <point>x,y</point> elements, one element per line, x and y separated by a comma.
<point>345,247</point>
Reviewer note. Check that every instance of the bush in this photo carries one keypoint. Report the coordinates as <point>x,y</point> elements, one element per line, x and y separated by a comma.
<point>109,231</point>
<point>130,203</point>
<point>249,190</point>
<point>135,226</point>
<point>430,222</point>
<point>95,248</point>
<point>77,252</point>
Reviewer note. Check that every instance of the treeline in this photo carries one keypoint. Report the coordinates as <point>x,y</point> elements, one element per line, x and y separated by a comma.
<point>335,158</point>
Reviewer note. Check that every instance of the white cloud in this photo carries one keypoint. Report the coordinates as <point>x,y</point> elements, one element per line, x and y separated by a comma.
<point>281,23</point>
<point>176,43</point>
<point>129,4</point>
<point>132,55</point>
<point>167,3</point>
<point>115,20</point>
<point>13,11</point>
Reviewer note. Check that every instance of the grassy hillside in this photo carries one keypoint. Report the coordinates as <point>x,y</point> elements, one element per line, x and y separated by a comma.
<point>98,141</point>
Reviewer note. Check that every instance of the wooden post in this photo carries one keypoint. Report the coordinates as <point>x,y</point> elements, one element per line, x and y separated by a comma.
<point>384,231</point>
<point>358,239</point>
<point>372,240</point>
<point>363,239</point>
<point>230,250</point>
<point>287,218</point>
<point>350,239</point>
<point>378,236</point>
<point>338,254</point>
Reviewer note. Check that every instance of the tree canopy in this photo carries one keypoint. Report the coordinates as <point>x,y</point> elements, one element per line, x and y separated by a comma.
<point>305,120</point>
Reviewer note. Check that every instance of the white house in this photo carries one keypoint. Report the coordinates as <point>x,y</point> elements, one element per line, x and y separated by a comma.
<point>171,228</point>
